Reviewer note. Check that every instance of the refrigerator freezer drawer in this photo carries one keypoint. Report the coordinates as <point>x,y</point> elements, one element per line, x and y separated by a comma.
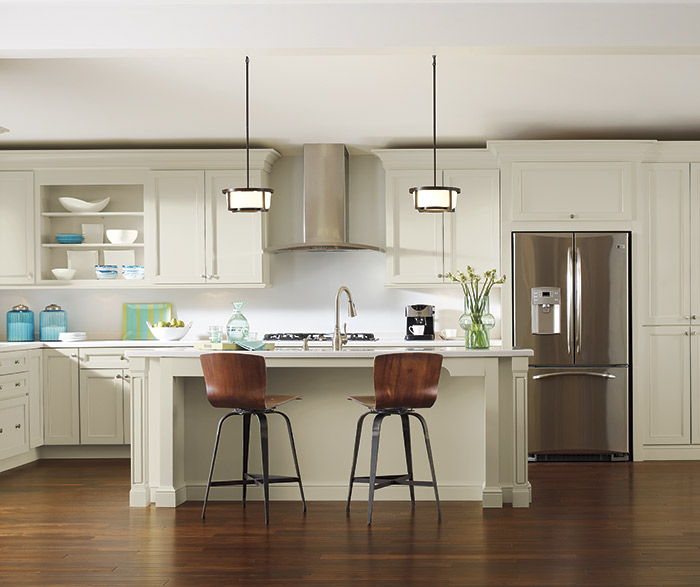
<point>578,411</point>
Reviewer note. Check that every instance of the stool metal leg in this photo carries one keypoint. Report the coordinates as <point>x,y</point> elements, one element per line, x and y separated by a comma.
<point>405,424</point>
<point>213,460</point>
<point>246,450</point>
<point>294,455</point>
<point>355,452</point>
<point>376,429</point>
<point>430,460</point>
<point>265,463</point>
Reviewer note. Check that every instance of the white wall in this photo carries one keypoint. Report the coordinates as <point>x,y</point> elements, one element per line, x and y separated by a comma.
<point>304,284</point>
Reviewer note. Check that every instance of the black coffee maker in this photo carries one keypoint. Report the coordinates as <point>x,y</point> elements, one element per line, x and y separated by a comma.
<point>419,322</point>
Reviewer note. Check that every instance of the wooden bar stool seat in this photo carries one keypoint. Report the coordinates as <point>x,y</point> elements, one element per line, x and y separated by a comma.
<point>238,381</point>
<point>402,383</point>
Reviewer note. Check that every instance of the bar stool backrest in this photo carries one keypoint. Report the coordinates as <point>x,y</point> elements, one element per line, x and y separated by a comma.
<point>406,380</point>
<point>235,380</point>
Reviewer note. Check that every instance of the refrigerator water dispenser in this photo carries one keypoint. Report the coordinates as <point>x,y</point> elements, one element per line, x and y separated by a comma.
<point>545,310</point>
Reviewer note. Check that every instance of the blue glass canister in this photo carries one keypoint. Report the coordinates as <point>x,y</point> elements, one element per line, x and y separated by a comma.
<point>20,324</point>
<point>52,321</point>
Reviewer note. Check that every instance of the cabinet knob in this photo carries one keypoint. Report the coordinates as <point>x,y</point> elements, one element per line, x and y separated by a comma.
<point>0,430</point>
<point>440,275</point>
<point>205,276</point>
<point>17,361</point>
<point>572,216</point>
<point>74,355</point>
<point>18,384</point>
<point>126,376</point>
<point>214,277</point>
<point>18,426</point>
<point>118,376</point>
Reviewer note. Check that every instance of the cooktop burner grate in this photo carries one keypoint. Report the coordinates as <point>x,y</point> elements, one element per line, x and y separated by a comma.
<point>316,336</point>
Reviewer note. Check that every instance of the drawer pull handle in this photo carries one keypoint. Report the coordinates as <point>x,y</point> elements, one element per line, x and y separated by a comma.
<point>18,426</point>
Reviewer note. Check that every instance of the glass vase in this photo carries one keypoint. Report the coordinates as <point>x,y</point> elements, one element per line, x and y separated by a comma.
<point>237,326</point>
<point>476,323</point>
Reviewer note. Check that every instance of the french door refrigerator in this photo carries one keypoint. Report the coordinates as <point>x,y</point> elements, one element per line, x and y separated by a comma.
<point>571,306</point>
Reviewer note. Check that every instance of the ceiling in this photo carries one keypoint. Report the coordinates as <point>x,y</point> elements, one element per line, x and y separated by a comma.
<point>167,73</point>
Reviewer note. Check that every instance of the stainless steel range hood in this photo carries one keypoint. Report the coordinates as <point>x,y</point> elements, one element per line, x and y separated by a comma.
<point>325,203</point>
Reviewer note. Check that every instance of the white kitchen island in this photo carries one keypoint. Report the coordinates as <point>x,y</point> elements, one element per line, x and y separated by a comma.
<point>478,426</point>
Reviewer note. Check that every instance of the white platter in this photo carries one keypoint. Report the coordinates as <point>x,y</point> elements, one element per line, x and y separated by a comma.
<point>76,205</point>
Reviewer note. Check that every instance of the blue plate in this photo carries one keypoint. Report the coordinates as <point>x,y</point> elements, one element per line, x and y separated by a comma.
<point>69,239</point>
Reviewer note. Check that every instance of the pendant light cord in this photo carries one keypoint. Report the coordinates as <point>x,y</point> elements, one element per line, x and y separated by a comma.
<point>434,130</point>
<point>247,134</point>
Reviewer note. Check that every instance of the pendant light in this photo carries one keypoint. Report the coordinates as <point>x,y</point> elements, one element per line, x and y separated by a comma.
<point>247,199</point>
<point>434,198</point>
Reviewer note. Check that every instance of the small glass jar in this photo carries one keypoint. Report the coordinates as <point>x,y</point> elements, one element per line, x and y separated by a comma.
<point>52,322</point>
<point>20,324</point>
<point>237,326</point>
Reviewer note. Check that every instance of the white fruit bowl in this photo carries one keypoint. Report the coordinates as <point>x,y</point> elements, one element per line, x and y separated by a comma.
<point>76,205</point>
<point>121,237</point>
<point>166,333</point>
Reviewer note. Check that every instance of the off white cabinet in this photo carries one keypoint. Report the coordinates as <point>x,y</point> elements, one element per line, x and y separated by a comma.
<point>668,278</point>
<point>16,227</point>
<point>572,190</point>
<point>104,396</point>
<point>61,398</point>
<point>195,239</point>
<point>14,404</point>
<point>423,247</point>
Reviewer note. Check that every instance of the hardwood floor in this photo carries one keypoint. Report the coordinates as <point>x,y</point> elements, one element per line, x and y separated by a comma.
<point>69,523</point>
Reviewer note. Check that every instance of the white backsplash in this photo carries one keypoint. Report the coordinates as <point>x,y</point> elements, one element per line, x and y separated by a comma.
<point>301,299</point>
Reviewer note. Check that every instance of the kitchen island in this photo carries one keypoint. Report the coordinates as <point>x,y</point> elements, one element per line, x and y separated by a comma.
<point>479,434</point>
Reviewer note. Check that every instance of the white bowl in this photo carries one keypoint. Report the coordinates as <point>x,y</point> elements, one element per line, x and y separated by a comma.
<point>121,237</point>
<point>167,333</point>
<point>76,205</point>
<point>63,273</point>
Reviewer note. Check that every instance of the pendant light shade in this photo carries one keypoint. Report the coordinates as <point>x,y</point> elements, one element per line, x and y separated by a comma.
<point>247,199</point>
<point>434,198</point>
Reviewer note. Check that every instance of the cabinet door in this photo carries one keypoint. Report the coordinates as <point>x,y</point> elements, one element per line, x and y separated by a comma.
<point>14,437</point>
<point>61,400</point>
<point>101,406</point>
<point>414,251</point>
<point>36,400</point>
<point>235,243</point>
<point>664,271</point>
<point>665,371</point>
<point>17,227</point>
<point>175,214</point>
<point>472,232</point>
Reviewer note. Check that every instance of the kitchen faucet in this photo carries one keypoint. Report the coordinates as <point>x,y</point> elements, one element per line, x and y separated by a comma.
<point>341,338</point>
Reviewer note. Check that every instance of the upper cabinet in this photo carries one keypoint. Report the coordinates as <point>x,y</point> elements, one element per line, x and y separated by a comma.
<point>196,239</point>
<point>16,227</point>
<point>170,199</point>
<point>123,211</point>
<point>422,248</point>
<point>572,190</point>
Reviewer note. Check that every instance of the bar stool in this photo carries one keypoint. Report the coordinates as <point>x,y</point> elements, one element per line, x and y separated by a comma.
<point>238,381</point>
<point>402,382</point>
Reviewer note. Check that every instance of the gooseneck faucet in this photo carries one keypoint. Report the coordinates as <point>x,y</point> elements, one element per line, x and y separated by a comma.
<point>339,339</point>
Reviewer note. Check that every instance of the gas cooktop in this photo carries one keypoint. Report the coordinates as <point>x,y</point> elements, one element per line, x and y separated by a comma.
<point>316,336</point>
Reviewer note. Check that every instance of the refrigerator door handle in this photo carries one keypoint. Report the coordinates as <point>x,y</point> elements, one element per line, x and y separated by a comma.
<point>578,301</point>
<point>569,296</point>
<point>575,373</point>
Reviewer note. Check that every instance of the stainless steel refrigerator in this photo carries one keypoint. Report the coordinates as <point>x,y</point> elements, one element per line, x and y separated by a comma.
<point>571,306</point>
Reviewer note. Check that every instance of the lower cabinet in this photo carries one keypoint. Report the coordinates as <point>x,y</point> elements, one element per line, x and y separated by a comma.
<point>670,362</point>
<point>14,435</point>
<point>86,394</point>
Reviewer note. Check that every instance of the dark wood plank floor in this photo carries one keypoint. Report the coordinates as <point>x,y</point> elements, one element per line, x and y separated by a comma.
<point>68,523</point>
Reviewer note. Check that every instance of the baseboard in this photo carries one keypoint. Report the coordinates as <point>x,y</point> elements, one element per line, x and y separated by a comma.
<point>19,460</point>
<point>671,453</point>
<point>196,490</point>
<point>91,451</point>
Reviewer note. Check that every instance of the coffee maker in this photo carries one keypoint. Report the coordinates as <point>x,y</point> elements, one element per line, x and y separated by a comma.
<point>419,322</point>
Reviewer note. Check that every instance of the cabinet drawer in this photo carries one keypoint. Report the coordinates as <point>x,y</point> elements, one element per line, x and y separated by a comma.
<point>13,385</point>
<point>103,358</point>
<point>12,363</point>
<point>14,437</point>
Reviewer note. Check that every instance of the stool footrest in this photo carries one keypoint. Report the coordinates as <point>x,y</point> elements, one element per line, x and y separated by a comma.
<point>386,480</point>
<point>256,479</point>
